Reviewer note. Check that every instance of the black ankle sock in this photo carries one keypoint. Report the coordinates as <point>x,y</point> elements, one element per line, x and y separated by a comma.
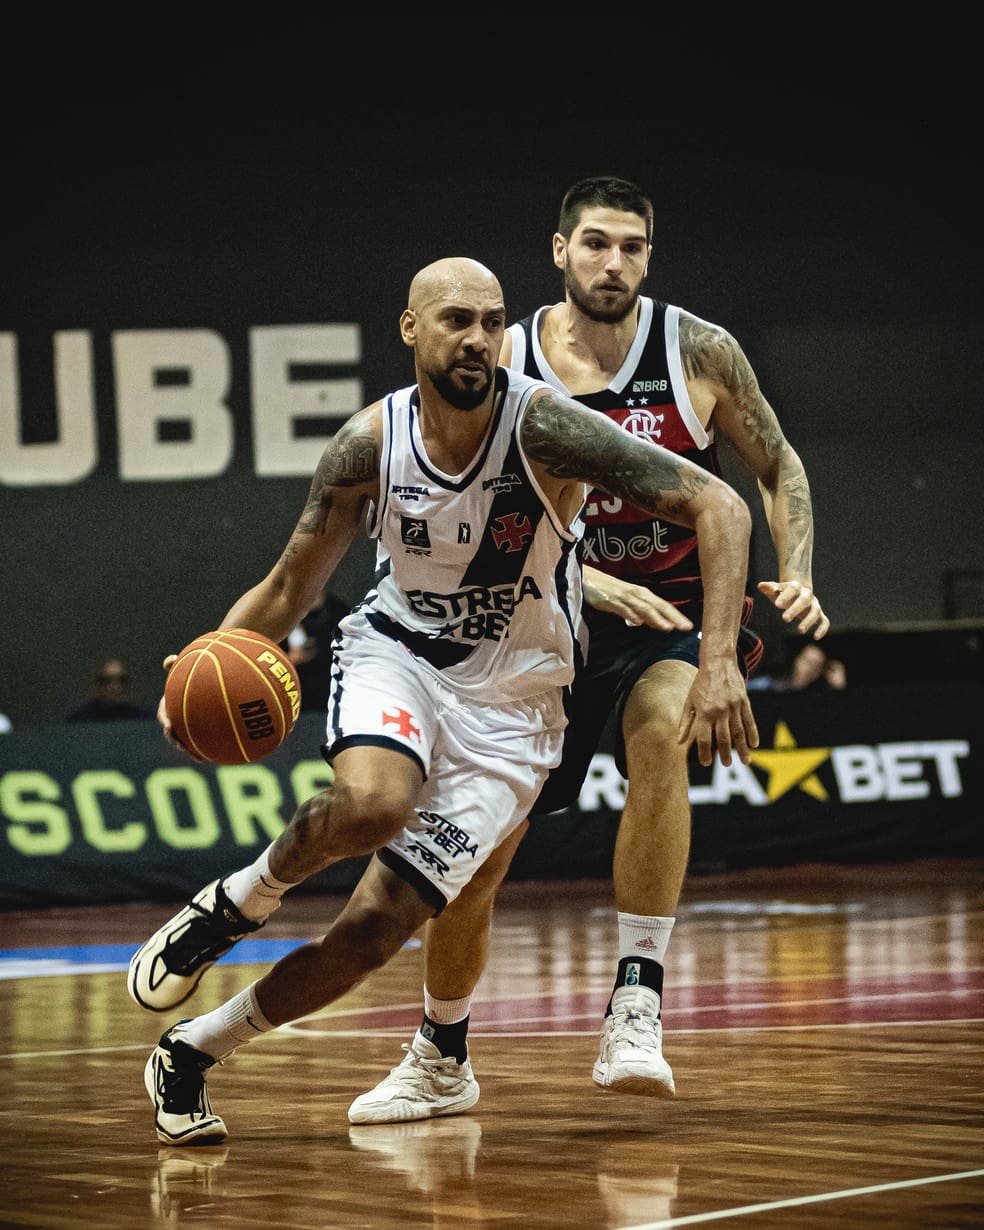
<point>638,971</point>
<point>449,1039</point>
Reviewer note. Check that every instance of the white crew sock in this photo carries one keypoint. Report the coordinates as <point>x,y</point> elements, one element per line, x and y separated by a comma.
<point>233,1024</point>
<point>640,935</point>
<point>446,1011</point>
<point>255,891</point>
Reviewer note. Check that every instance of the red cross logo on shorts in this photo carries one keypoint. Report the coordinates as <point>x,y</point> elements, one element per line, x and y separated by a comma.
<point>512,532</point>
<point>403,722</point>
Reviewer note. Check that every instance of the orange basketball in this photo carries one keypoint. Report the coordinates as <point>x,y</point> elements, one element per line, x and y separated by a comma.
<point>232,696</point>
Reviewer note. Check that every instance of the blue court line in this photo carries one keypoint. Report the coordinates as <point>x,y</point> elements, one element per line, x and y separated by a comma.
<point>105,958</point>
<point>101,958</point>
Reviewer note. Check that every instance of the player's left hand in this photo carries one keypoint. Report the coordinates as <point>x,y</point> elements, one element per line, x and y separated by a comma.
<point>633,603</point>
<point>165,721</point>
<point>798,603</point>
<point>718,714</point>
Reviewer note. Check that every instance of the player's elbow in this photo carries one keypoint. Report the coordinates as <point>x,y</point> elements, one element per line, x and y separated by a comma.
<point>730,511</point>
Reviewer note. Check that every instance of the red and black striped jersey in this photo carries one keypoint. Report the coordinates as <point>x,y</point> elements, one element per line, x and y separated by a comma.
<point>648,397</point>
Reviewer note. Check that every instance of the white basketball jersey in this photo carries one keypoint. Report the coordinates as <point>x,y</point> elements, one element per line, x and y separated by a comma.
<point>474,571</point>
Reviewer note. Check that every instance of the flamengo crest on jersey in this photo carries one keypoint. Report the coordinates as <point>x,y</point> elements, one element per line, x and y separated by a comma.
<point>649,398</point>
<point>475,572</point>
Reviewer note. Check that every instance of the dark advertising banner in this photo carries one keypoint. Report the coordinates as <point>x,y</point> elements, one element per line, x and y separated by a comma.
<point>110,812</point>
<point>868,774</point>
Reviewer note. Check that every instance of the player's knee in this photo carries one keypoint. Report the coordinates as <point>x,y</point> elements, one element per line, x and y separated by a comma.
<point>358,942</point>
<point>655,737</point>
<point>480,895</point>
<point>377,813</point>
<point>471,909</point>
<point>355,818</point>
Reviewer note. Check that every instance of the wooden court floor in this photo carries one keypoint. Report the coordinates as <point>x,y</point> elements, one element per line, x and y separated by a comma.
<point>825,1026</point>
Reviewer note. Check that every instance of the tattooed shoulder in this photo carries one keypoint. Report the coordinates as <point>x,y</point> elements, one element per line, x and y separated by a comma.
<point>711,353</point>
<point>350,461</point>
<point>555,430</point>
<point>351,457</point>
<point>706,350</point>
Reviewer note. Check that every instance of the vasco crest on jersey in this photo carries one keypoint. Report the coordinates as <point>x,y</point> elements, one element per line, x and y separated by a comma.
<point>415,536</point>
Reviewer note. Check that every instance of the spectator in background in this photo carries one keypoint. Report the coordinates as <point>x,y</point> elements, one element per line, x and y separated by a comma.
<point>814,671</point>
<point>309,648</point>
<point>110,699</point>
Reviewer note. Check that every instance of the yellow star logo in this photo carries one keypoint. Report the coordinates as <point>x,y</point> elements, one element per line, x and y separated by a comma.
<point>788,765</point>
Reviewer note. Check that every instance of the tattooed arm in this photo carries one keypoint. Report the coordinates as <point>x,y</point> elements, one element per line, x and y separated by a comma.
<point>346,479</point>
<point>720,376</point>
<point>572,445</point>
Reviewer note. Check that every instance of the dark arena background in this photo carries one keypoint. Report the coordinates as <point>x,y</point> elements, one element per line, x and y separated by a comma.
<point>194,293</point>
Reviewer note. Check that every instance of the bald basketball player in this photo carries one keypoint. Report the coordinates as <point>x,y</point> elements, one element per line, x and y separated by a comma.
<point>446,709</point>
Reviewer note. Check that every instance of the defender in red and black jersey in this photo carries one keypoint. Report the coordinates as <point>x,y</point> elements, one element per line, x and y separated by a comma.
<point>648,397</point>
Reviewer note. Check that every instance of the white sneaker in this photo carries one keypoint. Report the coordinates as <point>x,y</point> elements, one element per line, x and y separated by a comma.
<point>631,1059</point>
<point>423,1086</point>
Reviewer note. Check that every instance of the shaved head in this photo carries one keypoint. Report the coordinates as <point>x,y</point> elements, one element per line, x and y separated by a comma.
<point>453,278</point>
<point>455,320</point>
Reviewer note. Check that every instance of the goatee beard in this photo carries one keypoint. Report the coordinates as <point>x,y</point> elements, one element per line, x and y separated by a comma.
<point>607,316</point>
<point>461,399</point>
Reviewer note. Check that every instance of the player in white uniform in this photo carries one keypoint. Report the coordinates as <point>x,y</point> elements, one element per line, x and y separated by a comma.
<point>451,670</point>
<point>476,575</point>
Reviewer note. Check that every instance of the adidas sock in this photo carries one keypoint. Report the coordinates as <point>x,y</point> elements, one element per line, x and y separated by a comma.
<point>229,1026</point>
<point>255,891</point>
<point>445,1024</point>
<point>643,936</point>
<point>635,972</point>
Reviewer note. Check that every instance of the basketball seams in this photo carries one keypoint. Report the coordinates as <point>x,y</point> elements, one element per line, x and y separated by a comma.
<point>186,694</point>
<point>283,700</point>
<point>224,691</point>
<point>206,677</point>
<point>205,653</point>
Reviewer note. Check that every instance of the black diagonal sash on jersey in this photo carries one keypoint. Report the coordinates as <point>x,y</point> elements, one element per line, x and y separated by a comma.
<point>514,515</point>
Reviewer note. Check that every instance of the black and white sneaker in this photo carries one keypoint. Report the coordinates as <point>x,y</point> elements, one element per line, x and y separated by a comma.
<point>166,970</point>
<point>175,1082</point>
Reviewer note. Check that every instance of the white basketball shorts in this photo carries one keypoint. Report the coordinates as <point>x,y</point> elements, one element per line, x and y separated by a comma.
<point>483,764</point>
